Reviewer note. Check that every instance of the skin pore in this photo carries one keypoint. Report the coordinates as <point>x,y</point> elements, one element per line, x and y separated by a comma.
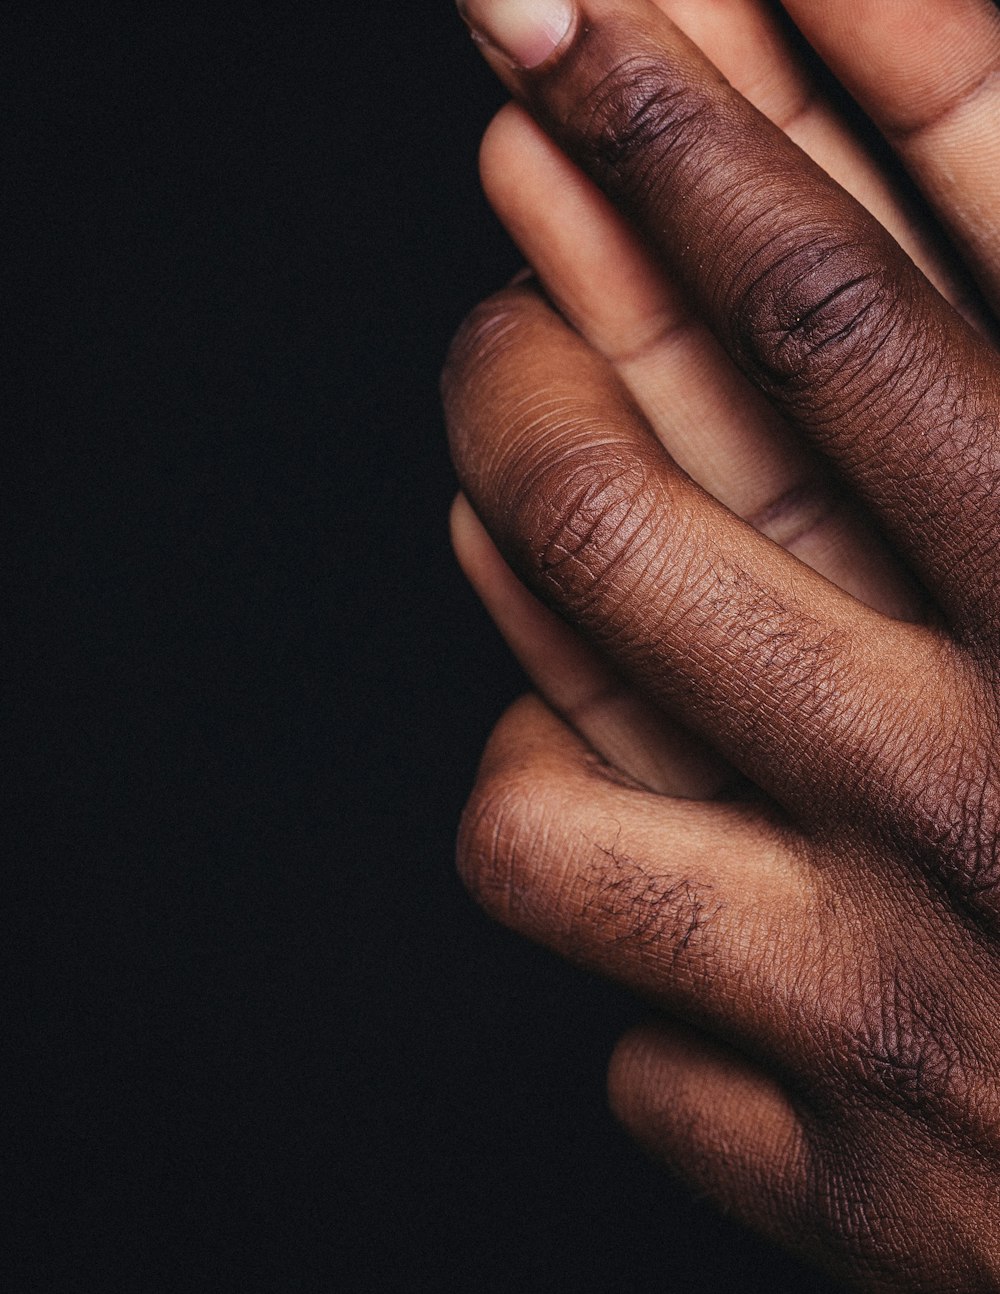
<point>729,490</point>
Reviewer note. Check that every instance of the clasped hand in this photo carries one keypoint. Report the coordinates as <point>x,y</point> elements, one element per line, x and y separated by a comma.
<point>745,455</point>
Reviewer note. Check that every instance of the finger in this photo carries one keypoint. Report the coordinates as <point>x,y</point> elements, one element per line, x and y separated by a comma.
<point>768,662</point>
<point>620,724</point>
<point>752,48</point>
<point>705,908</point>
<point>929,76</point>
<point>713,422</point>
<point>806,291</point>
<point>721,1123</point>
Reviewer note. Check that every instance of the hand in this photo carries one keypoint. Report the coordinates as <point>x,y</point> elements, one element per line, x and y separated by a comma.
<point>715,425</point>
<point>833,936</point>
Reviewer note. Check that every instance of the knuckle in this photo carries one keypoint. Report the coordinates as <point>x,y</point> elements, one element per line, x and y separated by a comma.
<point>587,521</point>
<point>638,122</point>
<point>958,836</point>
<point>813,308</point>
<point>501,836</point>
<point>490,328</point>
<point>893,1213</point>
<point>850,1204</point>
<point>947,815</point>
<point>897,1043</point>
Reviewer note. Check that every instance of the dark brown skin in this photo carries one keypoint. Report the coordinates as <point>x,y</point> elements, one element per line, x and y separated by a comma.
<point>825,946</point>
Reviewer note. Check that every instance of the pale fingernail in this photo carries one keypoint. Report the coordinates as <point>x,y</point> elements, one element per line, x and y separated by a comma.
<point>527,32</point>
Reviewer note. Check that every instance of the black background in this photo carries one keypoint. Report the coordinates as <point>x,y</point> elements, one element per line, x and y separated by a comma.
<point>268,1043</point>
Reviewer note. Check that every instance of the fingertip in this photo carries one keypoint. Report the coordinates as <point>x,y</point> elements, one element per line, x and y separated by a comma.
<point>463,527</point>
<point>474,550</point>
<point>504,147</point>
<point>641,1059</point>
<point>628,1074</point>
<point>719,1121</point>
<point>502,132</point>
<point>528,180</point>
<point>527,34</point>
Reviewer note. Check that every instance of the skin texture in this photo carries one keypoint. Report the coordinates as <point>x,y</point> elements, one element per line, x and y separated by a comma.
<point>823,937</point>
<point>709,418</point>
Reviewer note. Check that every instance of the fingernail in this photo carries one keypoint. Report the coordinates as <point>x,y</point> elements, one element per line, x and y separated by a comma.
<point>527,32</point>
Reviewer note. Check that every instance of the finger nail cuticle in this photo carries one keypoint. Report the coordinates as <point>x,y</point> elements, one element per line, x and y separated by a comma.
<point>527,32</point>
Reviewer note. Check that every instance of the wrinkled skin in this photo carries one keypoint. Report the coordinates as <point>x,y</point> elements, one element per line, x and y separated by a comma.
<point>761,783</point>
